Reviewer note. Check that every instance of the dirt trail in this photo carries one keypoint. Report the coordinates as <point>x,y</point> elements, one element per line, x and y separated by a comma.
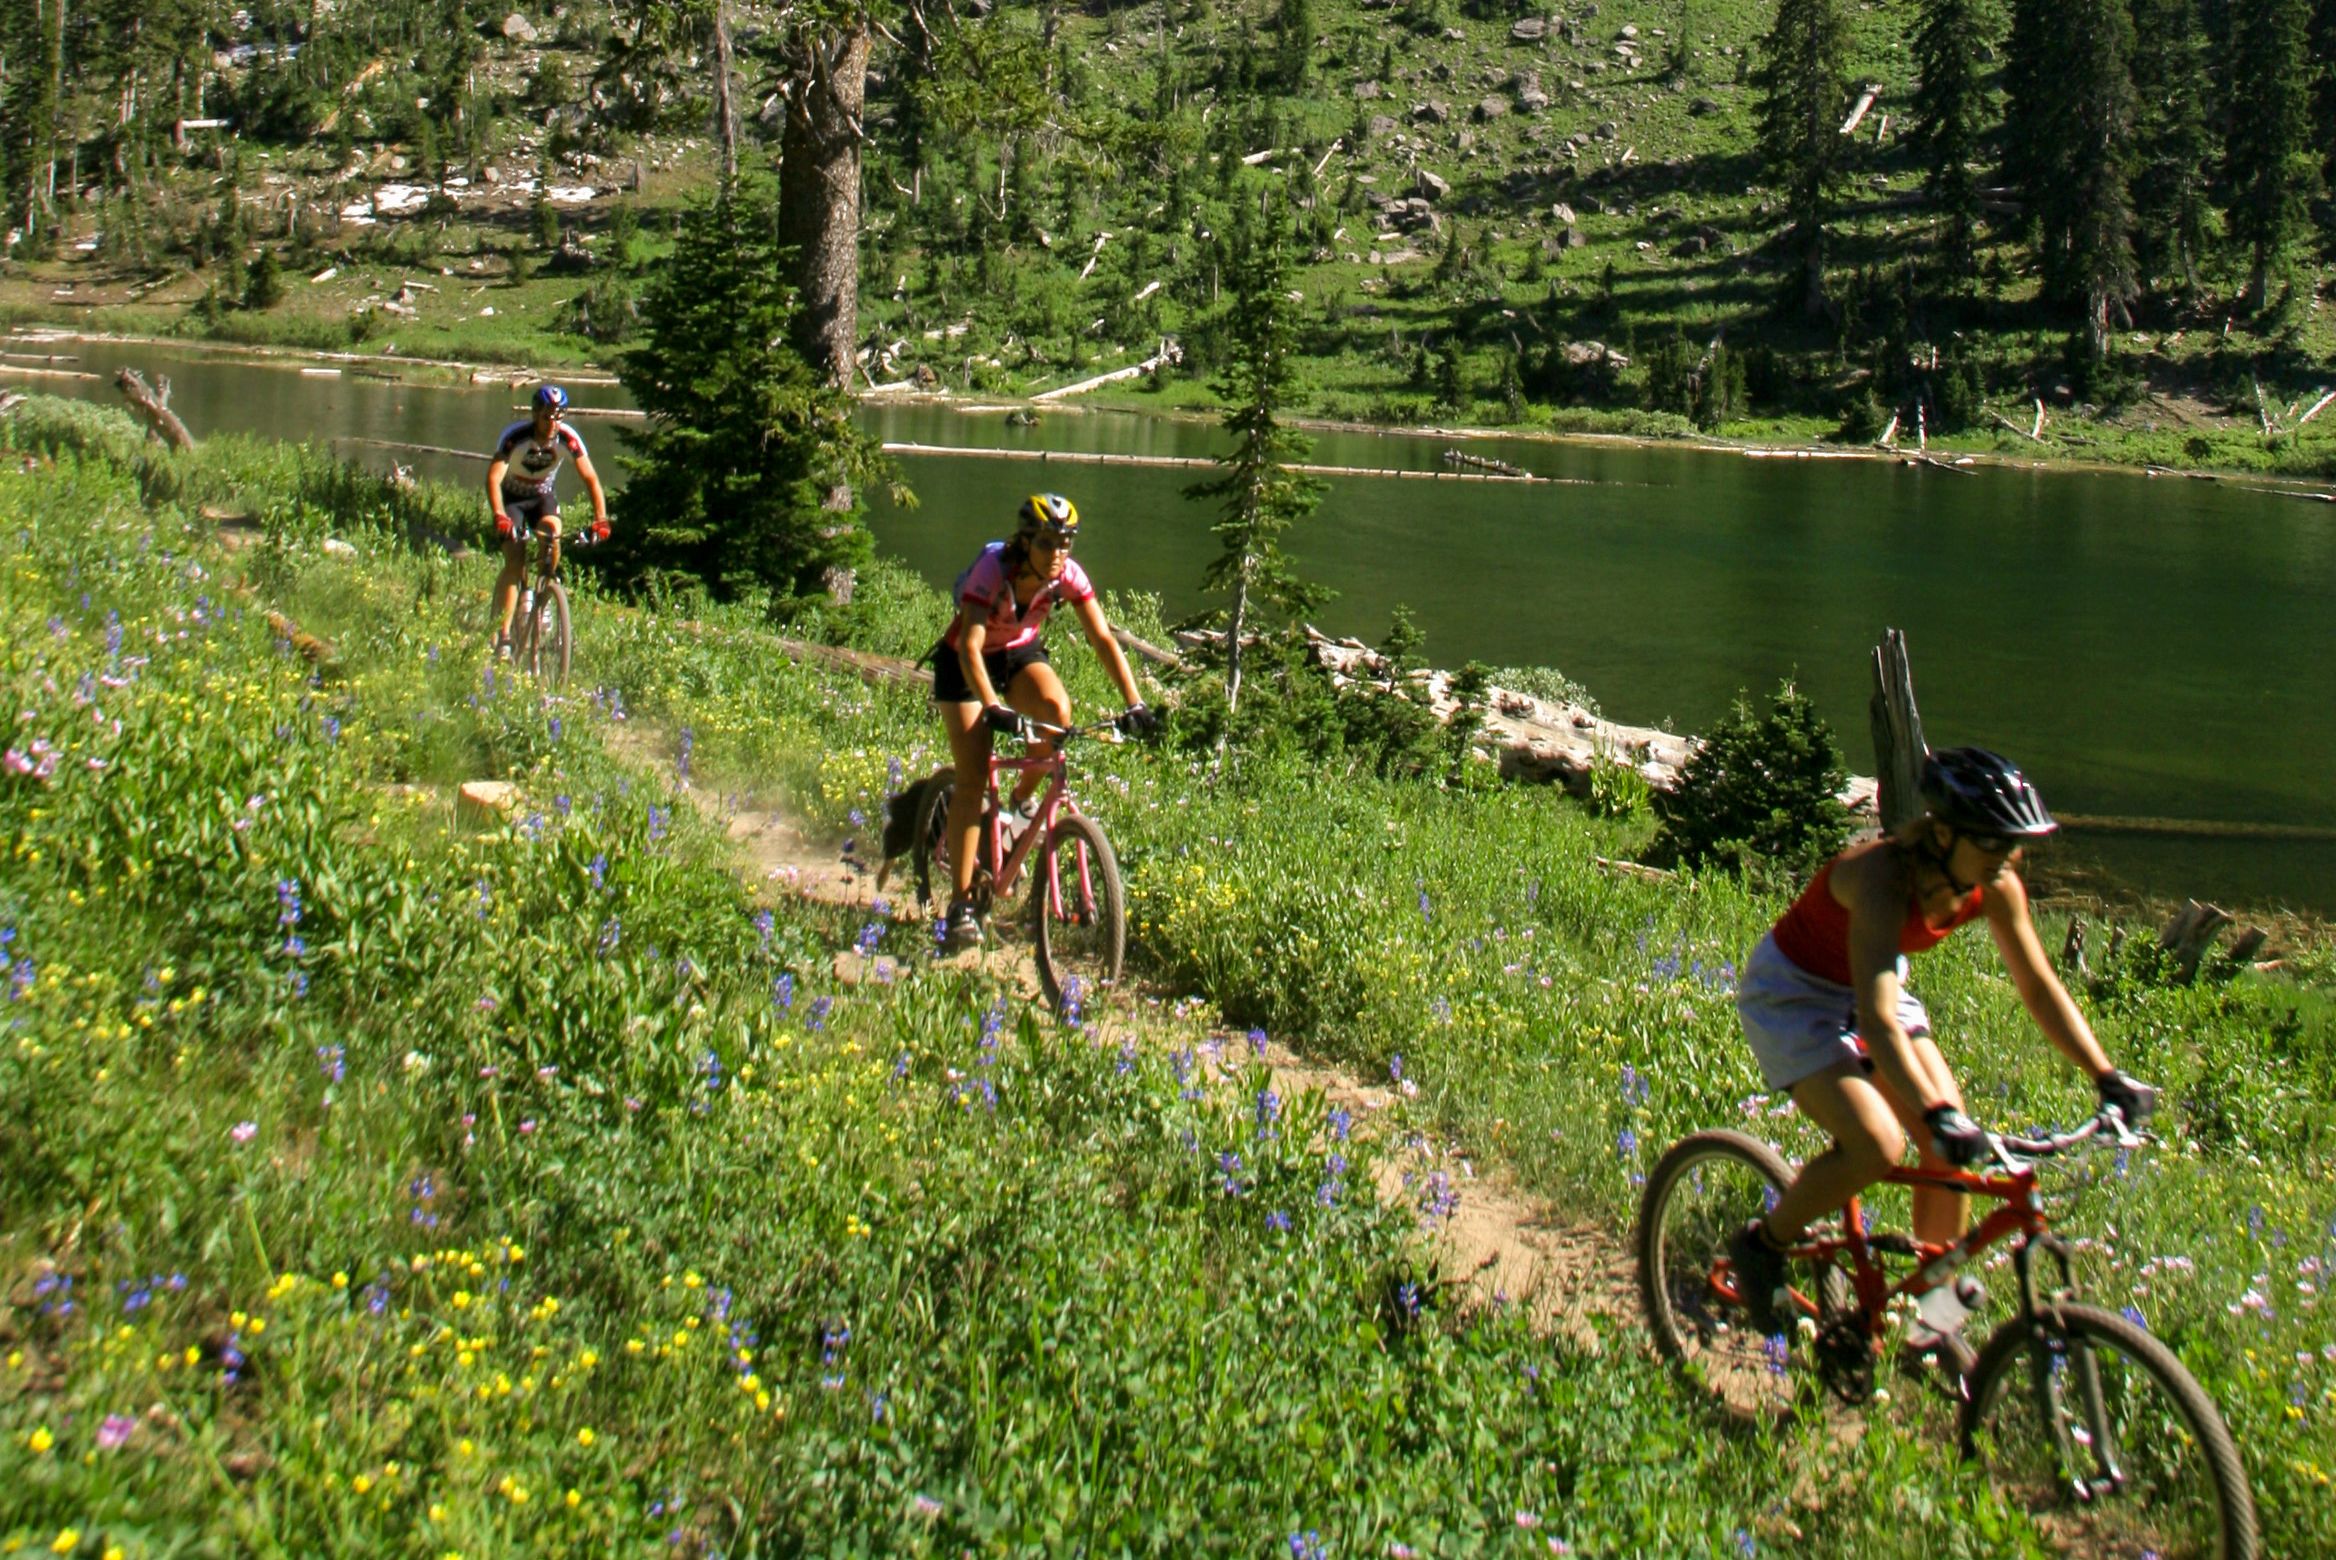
<point>1490,1240</point>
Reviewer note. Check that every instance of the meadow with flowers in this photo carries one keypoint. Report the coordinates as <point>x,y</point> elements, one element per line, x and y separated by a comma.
<point>384,1178</point>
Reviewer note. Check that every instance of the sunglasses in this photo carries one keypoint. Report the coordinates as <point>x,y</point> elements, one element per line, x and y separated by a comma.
<point>1047,541</point>
<point>1992,844</point>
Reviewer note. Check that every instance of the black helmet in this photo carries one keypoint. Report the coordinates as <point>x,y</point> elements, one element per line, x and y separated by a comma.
<point>1978,792</point>
<point>1049,512</point>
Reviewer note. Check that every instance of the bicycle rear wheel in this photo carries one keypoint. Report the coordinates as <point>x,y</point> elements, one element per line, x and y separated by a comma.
<point>548,647</point>
<point>1078,912</point>
<point>1698,1195</point>
<point>2091,1424</point>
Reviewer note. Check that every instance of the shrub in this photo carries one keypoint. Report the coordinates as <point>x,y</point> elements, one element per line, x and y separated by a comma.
<point>1761,795</point>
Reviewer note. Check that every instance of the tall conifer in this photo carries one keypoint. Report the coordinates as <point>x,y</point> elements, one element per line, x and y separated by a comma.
<point>2173,146</point>
<point>1803,61</point>
<point>2099,211</point>
<point>2271,165</point>
<point>1952,107</point>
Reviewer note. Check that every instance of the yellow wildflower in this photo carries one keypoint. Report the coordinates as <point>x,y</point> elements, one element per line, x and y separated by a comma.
<point>40,1440</point>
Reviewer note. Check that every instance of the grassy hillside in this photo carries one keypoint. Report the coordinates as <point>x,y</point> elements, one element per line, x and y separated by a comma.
<point>1049,199</point>
<point>385,1180</point>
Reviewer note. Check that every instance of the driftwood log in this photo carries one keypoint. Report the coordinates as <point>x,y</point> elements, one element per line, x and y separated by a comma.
<point>161,422</point>
<point>1534,740</point>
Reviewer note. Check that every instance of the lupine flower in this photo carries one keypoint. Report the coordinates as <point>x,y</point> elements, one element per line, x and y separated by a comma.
<point>783,992</point>
<point>817,1017</point>
<point>1277,1220</point>
<point>114,1433</point>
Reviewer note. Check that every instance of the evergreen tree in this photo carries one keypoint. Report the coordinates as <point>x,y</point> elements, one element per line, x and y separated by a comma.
<point>1295,64</point>
<point>744,444</point>
<point>1261,496</point>
<point>1802,61</point>
<point>2271,167</point>
<point>2099,209</point>
<point>2173,148</point>
<point>1952,108</point>
<point>2036,120</point>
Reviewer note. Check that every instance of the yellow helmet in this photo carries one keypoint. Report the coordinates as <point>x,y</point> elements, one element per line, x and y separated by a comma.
<point>1049,512</point>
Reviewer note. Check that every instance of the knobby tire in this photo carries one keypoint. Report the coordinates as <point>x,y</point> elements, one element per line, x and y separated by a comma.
<point>1078,912</point>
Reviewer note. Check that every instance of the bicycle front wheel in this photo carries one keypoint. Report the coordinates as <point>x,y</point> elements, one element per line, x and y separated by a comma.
<point>548,645</point>
<point>1079,914</point>
<point>1698,1195</point>
<point>2096,1429</point>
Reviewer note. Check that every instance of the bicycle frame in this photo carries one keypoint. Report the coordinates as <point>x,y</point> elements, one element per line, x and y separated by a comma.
<point>1008,871</point>
<point>2020,1218</point>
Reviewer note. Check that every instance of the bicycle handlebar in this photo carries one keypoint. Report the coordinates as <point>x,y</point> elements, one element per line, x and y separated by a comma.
<point>2109,1119</point>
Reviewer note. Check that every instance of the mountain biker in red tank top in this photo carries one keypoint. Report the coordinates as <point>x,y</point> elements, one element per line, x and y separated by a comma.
<point>1825,1007</point>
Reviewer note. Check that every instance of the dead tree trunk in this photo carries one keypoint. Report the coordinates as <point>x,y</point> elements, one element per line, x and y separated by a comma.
<point>819,216</point>
<point>161,422</point>
<point>725,110</point>
<point>2189,934</point>
<point>819,195</point>
<point>1897,727</point>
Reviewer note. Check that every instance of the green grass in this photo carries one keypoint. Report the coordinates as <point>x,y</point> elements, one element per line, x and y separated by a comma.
<point>555,1126</point>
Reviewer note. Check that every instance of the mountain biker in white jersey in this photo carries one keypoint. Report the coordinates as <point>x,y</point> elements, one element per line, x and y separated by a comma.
<point>519,491</point>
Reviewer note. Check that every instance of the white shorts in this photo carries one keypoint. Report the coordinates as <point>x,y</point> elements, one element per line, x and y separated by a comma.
<point>1799,1024</point>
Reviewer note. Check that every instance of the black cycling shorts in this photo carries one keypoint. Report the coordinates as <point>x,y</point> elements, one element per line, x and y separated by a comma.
<point>950,686</point>
<point>529,508</point>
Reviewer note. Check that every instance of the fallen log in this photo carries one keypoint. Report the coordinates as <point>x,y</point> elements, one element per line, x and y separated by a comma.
<point>1169,353</point>
<point>161,422</point>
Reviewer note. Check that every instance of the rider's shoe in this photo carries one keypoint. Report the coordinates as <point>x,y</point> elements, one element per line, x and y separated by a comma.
<point>961,930</point>
<point>502,649</point>
<point>1759,1273</point>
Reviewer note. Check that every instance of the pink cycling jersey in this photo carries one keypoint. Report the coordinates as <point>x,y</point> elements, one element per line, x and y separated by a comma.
<point>1007,626</point>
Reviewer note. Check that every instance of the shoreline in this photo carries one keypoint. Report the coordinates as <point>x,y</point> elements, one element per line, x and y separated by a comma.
<point>1946,457</point>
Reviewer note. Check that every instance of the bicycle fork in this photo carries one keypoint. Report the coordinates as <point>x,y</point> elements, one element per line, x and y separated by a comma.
<point>2062,1365</point>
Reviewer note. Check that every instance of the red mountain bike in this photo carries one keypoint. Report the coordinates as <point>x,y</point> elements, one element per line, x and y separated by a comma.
<point>2081,1414</point>
<point>1078,910</point>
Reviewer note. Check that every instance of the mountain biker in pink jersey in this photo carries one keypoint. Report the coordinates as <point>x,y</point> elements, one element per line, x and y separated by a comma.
<point>519,491</point>
<point>1825,1007</point>
<point>990,671</point>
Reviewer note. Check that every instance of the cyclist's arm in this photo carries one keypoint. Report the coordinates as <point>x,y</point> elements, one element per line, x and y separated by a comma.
<point>2005,902</point>
<point>1873,888</point>
<point>972,633</point>
<point>495,470</point>
<point>592,486</point>
<point>1107,649</point>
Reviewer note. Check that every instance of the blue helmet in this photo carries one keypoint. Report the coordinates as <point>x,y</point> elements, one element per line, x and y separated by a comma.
<point>550,398</point>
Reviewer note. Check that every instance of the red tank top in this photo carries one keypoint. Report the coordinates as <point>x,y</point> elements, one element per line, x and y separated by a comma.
<point>1814,933</point>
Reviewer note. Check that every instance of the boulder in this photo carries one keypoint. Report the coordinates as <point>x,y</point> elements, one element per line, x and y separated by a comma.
<point>1629,31</point>
<point>1381,127</point>
<point>484,803</point>
<point>1530,29</point>
<point>1368,91</point>
<point>1455,35</point>
<point>1530,96</point>
<point>1492,108</point>
<point>1703,107</point>
<point>1430,113</point>
<point>1430,186</point>
<point>518,28</point>
<point>1563,213</point>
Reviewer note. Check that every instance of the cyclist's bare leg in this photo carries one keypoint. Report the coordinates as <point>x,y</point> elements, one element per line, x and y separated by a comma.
<point>969,750</point>
<point>1847,1107</point>
<point>507,585</point>
<point>548,528</point>
<point>1037,690</point>
<point>1939,1215</point>
<point>1869,1127</point>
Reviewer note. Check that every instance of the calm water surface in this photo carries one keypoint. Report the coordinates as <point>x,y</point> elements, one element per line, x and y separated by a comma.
<point>2155,648</point>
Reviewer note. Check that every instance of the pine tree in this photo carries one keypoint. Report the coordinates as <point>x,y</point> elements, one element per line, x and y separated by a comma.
<point>2173,149</point>
<point>744,443</point>
<point>1260,494</point>
<point>1295,45</point>
<point>1800,78</point>
<point>1952,107</point>
<point>2099,209</point>
<point>2036,123</point>
<point>2270,164</point>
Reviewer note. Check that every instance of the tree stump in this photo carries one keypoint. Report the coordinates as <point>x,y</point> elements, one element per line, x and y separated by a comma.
<point>161,422</point>
<point>2072,951</point>
<point>1897,726</point>
<point>2189,934</point>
